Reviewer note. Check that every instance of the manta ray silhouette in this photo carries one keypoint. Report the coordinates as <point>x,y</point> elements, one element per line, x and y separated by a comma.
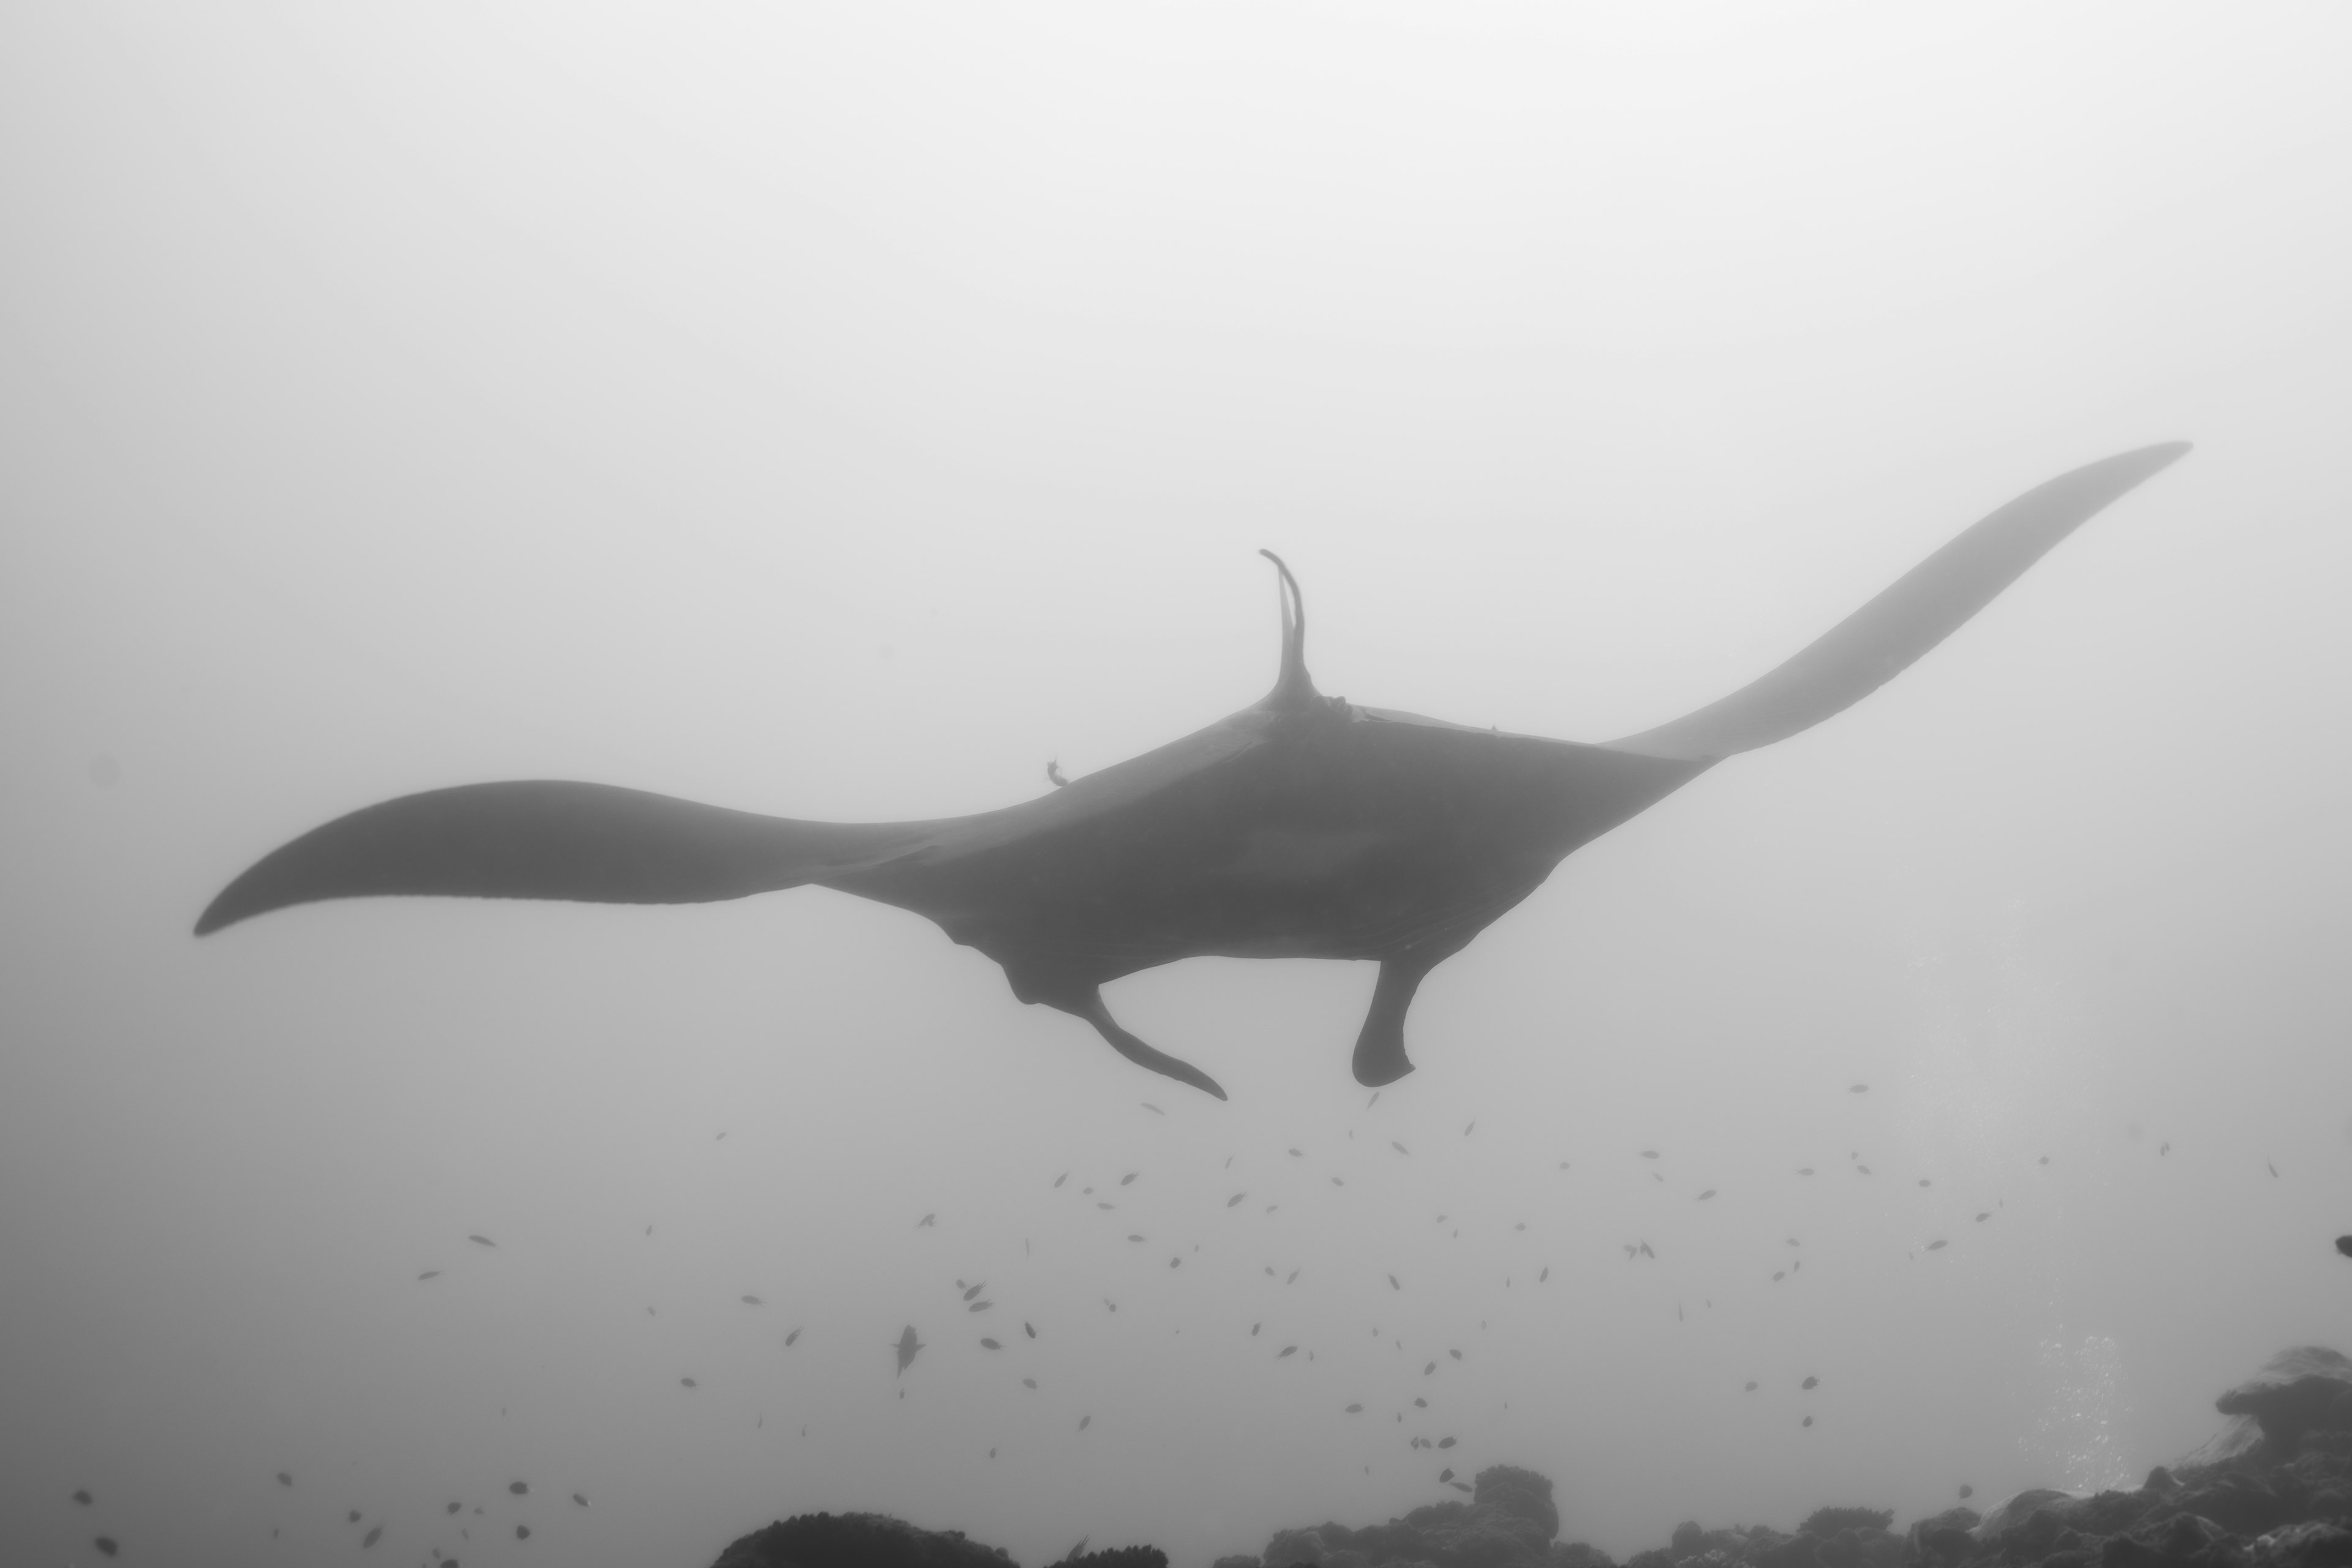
<point>1303,826</point>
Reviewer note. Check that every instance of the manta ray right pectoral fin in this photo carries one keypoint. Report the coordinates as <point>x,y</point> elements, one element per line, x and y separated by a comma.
<point>1089,1006</point>
<point>1928,603</point>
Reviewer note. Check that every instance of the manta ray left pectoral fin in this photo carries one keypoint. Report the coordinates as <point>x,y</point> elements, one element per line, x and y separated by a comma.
<point>552,838</point>
<point>1089,1006</point>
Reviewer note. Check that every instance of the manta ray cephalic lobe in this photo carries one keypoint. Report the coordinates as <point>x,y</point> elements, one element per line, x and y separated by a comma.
<point>1302,827</point>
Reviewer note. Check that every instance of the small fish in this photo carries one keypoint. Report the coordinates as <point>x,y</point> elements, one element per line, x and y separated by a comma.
<point>1254,1328</point>
<point>980,1305</point>
<point>1811,1382</point>
<point>1175,1262</point>
<point>1645,1251</point>
<point>354,1518</point>
<point>1374,1100</point>
<point>1808,1420</point>
<point>1984,1216</point>
<point>1393,1283</point>
<point>1085,1422</point>
<point>1935,1246</point>
<point>990,1345</point>
<point>520,1488</point>
<point>1926,1183</point>
<point>577,1498</point>
<point>2273,1169</point>
<point>1467,1130</point>
<point>686,1383</point>
<point>1028,1382</point>
<point>522,1532</point>
<point>1297,1155</point>
<point>1706,1195</point>
<point>1400,1148</point>
<point>975,1291</point>
<point>1545,1275</point>
<point>1430,1368</point>
<point>82,1498</point>
<point>907,1347</point>
<point>372,1537</point>
<point>1782,1275</point>
<point>1287,1350</point>
<point>1133,1236</point>
<point>1236,1198</point>
<point>1461,1488</point>
<point>428,1274</point>
<point>1649,1153</point>
<point>1807,1170</point>
<point>928,1219</point>
<point>1422,1404</point>
<point>1129,1178</point>
<point>1445,1442</point>
<point>751,1301</point>
<point>1355,1410</point>
<point>1151,1108</point>
<point>1750,1388</point>
<point>1863,1169</point>
<point>1112,1304</point>
<point>1054,773</point>
<point>721,1139</point>
<point>284,1479</point>
<point>454,1507</point>
<point>1859,1088</point>
<point>106,1545</point>
<point>791,1337</point>
<point>481,1241</point>
<point>1060,1179</point>
<point>2045,1158</point>
<point>1294,1277</point>
<point>2165,1149</point>
<point>1030,1328</point>
<point>1446,1474</point>
<point>1338,1183</point>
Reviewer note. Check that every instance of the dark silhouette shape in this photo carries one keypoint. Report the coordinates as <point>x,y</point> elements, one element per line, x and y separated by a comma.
<point>1304,827</point>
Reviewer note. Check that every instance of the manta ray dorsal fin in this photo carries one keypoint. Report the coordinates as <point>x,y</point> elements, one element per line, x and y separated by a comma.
<point>1293,688</point>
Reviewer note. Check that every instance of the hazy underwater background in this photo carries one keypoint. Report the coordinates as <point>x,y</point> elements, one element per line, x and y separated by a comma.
<point>841,412</point>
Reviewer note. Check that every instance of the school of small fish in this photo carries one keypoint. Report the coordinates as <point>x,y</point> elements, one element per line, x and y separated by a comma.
<point>909,1346</point>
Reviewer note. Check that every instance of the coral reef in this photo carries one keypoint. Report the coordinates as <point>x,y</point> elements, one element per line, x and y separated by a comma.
<point>2274,1491</point>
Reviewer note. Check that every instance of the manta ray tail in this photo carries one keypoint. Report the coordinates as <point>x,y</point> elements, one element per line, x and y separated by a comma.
<point>1927,604</point>
<point>552,839</point>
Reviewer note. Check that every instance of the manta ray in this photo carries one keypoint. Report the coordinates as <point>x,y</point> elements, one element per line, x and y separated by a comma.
<point>1302,827</point>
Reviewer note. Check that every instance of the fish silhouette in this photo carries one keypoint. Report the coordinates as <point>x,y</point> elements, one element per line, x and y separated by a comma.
<point>907,1347</point>
<point>1302,827</point>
